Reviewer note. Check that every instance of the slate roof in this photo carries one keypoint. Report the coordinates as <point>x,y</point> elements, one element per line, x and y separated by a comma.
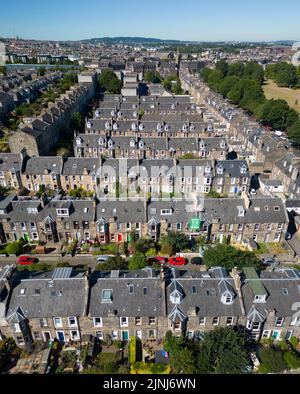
<point>55,298</point>
<point>283,292</point>
<point>206,299</point>
<point>141,303</point>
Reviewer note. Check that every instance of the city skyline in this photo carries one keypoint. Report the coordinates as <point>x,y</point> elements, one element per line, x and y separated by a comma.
<point>208,22</point>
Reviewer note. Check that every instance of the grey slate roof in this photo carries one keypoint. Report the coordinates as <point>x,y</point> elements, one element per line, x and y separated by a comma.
<point>55,298</point>
<point>126,304</point>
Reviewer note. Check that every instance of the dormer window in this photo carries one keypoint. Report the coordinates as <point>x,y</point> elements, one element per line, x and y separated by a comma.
<point>88,125</point>
<point>101,141</point>
<point>207,169</point>
<point>209,127</point>
<point>62,212</point>
<point>165,212</point>
<point>141,145</point>
<point>192,128</point>
<point>110,143</point>
<point>141,127</point>
<point>107,296</point>
<point>176,297</point>
<point>243,169</point>
<point>115,126</point>
<point>113,113</point>
<point>133,127</point>
<point>32,210</point>
<point>223,144</point>
<point>120,114</point>
<point>78,141</point>
<point>202,145</point>
<point>241,211</point>
<point>159,127</point>
<point>260,299</point>
<point>166,127</point>
<point>184,127</point>
<point>97,114</point>
<point>135,114</point>
<point>107,126</point>
<point>220,170</point>
<point>132,143</point>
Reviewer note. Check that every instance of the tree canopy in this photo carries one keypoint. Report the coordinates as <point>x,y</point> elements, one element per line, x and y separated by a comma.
<point>176,241</point>
<point>227,256</point>
<point>225,350</point>
<point>242,84</point>
<point>109,82</point>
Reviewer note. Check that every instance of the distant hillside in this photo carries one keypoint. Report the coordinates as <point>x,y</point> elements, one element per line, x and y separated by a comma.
<point>131,40</point>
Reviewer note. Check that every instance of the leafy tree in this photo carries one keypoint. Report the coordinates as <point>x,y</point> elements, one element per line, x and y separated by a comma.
<point>153,77</point>
<point>176,241</point>
<point>137,261</point>
<point>8,349</point>
<point>142,245</point>
<point>109,82</point>
<point>181,355</point>
<point>14,248</point>
<point>113,263</point>
<point>272,361</point>
<point>224,350</point>
<point>229,257</point>
<point>77,121</point>
<point>291,360</point>
<point>3,70</point>
<point>294,132</point>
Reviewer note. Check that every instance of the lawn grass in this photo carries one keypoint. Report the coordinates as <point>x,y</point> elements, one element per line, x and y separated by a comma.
<point>271,90</point>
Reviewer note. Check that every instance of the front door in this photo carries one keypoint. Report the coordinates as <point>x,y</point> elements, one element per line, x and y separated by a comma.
<point>125,336</point>
<point>61,336</point>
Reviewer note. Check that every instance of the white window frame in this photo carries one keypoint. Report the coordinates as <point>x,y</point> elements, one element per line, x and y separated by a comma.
<point>77,338</point>
<point>75,325</point>
<point>97,324</point>
<point>218,321</point>
<point>125,324</point>
<point>60,325</point>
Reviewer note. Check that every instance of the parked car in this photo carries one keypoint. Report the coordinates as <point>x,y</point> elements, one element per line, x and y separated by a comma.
<point>268,261</point>
<point>253,192</point>
<point>178,261</point>
<point>25,260</point>
<point>196,261</point>
<point>103,259</point>
<point>157,260</point>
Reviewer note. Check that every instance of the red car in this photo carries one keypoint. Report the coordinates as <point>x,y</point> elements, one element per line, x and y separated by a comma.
<point>178,261</point>
<point>25,260</point>
<point>157,260</point>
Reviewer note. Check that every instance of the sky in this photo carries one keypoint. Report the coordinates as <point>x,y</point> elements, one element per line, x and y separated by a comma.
<point>191,20</point>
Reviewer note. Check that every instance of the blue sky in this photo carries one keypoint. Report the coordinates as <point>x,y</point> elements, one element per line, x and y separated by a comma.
<point>200,20</point>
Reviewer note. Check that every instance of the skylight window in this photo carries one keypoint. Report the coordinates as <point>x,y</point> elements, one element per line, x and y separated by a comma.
<point>107,296</point>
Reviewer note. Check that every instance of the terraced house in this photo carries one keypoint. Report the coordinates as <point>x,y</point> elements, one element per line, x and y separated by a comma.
<point>72,306</point>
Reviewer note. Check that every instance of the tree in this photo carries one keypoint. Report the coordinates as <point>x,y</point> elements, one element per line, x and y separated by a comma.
<point>137,261</point>
<point>229,257</point>
<point>225,350</point>
<point>77,121</point>
<point>176,241</point>
<point>109,82</point>
<point>41,71</point>
<point>181,355</point>
<point>14,248</point>
<point>272,361</point>
<point>294,132</point>
<point>153,77</point>
<point>3,70</point>
<point>8,349</point>
<point>113,263</point>
<point>142,245</point>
